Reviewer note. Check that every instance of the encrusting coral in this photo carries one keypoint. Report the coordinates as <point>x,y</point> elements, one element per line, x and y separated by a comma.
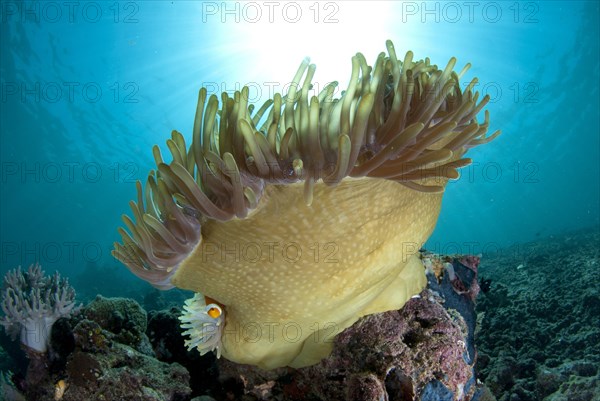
<point>32,302</point>
<point>299,218</point>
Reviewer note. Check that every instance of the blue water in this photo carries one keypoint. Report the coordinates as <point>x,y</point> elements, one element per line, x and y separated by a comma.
<point>88,89</point>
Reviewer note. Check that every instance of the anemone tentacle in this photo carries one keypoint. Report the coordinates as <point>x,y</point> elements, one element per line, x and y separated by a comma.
<point>362,174</point>
<point>405,121</point>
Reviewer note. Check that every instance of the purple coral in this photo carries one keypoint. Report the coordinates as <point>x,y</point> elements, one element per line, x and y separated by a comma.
<point>32,302</point>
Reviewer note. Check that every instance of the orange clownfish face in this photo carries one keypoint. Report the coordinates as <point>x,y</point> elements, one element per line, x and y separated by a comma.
<point>214,312</point>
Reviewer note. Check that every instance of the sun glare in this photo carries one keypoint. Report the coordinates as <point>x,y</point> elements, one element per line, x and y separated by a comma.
<point>266,41</point>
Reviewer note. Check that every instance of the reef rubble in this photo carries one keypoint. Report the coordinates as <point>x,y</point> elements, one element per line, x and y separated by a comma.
<point>540,319</point>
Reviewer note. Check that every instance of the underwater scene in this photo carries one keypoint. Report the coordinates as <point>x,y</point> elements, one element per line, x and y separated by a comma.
<point>300,200</point>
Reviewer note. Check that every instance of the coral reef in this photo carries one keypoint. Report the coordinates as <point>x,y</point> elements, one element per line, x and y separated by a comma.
<point>124,318</point>
<point>540,320</point>
<point>104,361</point>
<point>114,371</point>
<point>32,302</point>
<point>8,392</point>
<point>113,350</point>
<point>166,336</point>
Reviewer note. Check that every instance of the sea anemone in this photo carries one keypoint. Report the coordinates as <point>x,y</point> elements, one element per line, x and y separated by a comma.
<point>203,324</point>
<point>300,217</point>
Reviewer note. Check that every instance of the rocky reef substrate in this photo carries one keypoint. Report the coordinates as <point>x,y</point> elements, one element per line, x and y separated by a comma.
<point>114,350</point>
<point>539,337</point>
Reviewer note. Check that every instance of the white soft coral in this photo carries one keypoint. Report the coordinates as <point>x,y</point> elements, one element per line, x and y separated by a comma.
<point>32,303</point>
